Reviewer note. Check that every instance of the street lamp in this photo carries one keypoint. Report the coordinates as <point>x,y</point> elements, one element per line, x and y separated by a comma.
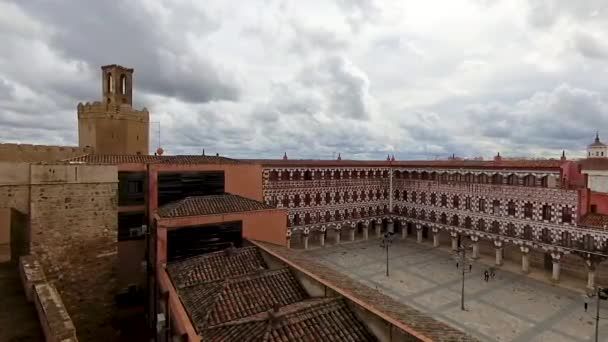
<point>467,267</point>
<point>600,293</point>
<point>387,240</point>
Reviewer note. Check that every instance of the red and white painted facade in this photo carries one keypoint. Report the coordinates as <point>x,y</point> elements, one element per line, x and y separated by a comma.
<point>534,205</point>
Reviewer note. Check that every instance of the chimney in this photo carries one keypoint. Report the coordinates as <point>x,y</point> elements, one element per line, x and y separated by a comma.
<point>563,157</point>
<point>273,316</point>
<point>388,157</point>
<point>339,156</point>
<point>497,158</point>
<point>285,156</point>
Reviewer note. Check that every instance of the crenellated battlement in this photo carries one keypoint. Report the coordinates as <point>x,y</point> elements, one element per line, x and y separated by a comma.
<point>113,111</point>
<point>34,153</point>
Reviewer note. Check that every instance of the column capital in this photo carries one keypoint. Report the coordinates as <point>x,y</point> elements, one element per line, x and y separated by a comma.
<point>435,230</point>
<point>497,243</point>
<point>454,234</point>
<point>556,256</point>
<point>524,249</point>
<point>323,228</point>
<point>306,231</point>
<point>474,238</point>
<point>418,226</point>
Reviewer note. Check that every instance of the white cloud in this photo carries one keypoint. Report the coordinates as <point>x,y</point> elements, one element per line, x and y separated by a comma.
<point>360,77</point>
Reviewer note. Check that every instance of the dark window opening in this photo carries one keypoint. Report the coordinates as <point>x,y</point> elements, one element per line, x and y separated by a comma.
<point>566,215</point>
<point>482,205</point>
<point>496,207</point>
<point>511,208</point>
<point>130,226</point>
<point>196,240</point>
<point>173,186</point>
<point>546,212</point>
<point>131,188</point>
<point>528,210</point>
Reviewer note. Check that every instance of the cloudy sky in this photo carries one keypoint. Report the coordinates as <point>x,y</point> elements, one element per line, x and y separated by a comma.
<point>364,78</point>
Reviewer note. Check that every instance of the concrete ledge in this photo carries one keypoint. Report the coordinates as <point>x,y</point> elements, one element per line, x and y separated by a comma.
<point>54,319</point>
<point>31,274</point>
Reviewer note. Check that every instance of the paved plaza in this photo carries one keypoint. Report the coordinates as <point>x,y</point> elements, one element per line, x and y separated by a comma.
<point>510,307</point>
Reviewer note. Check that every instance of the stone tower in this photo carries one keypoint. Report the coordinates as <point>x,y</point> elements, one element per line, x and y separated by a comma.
<point>113,126</point>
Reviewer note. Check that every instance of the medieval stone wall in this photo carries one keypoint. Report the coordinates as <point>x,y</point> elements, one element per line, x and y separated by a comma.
<point>39,153</point>
<point>73,222</point>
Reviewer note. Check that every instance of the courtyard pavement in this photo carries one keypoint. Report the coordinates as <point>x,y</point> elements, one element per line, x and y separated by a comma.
<point>509,307</point>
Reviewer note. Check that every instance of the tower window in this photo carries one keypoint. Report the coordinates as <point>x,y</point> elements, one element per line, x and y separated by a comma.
<point>110,83</point>
<point>123,84</point>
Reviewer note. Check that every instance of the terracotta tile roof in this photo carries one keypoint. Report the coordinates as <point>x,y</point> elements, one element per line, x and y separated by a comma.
<point>218,302</point>
<point>594,164</point>
<point>595,220</point>
<point>210,205</point>
<point>319,319</point>
<point>219,265</point>
<point>402,313</point>
<point>490,164</point>
<point>150,159</point>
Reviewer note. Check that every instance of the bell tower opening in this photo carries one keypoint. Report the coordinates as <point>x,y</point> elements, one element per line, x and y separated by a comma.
<point>117,84</point>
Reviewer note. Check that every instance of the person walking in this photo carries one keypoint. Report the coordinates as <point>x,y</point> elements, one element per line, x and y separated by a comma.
<point>486,275</point>
<point>586,299</point>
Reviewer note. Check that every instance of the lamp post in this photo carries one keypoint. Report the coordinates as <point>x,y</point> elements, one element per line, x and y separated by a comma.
<point>600,294</point>
<point>467,267</point>
<point>387,240</point>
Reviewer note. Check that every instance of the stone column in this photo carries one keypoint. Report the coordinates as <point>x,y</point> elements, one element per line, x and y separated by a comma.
<point>305,241</point>
<point>590,274</point>
<point>525,259</point>
<point>403,230</point>
<point>390,227</point>
<point>337,231</point>
<point>378,226</point>
<point>475,240</point>
<point>352,233</point>
<point>322,237</point>
<point>498,247</point>
<point>454,241</point>
<point>366,231</point>
<point>555,256</point>
<point>418,233</point>
<point>435,237</point>
<point>288,239</point>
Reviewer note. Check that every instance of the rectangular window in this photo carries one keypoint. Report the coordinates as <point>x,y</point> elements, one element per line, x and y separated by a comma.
<point>546,212</point>
<point>594,208</point>
<point>528,210</point>
<point>482,205</point>
<point>467,203</point>
<point>173,186</point>
<point>566,215</point>
<point>131,188</point>
<point>496,207</point>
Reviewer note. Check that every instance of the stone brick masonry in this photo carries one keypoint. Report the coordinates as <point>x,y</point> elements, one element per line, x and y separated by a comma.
<point>74,234</point>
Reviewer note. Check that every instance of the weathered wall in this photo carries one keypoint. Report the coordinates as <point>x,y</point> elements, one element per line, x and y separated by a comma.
<point>113,128</point>
<point>131,254</point>
<point>39,153</point>
<point>73,222</point>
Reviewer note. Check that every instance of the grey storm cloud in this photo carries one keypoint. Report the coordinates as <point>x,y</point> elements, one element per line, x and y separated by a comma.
<point>560,118</point>
<point>363,78</point>
<point>128,33</point>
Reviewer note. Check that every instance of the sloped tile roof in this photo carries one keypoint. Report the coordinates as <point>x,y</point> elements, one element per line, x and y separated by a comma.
<point>210,205</point>
<point>319,319</point>
<point>416,320</point>
<point>595,220</point>
<point>455,163</point>
<point>219,302</point>
<point>215,266</point>
<point>150,159</point>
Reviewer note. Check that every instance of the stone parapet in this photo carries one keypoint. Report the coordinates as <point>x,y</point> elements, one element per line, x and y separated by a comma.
<point>31,274</point>
<point>54,319</point>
